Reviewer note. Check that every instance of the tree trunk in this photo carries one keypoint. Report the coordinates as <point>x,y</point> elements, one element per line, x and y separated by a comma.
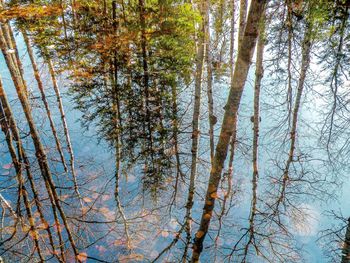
<point>234,134</point>
<point>43,97</point>
<point>240,75</point>
<point>22,156</point>
<point>212,118</point>
<point>289,62</point>
<point>22,189</point>
<point>242,20</point>
<point>346,247</point>
<point>65,126</point>
<point>39,148</point>
<point>259,71</point>
<point>305,62</point>
<point>146,81</point>
<point>195,120</point>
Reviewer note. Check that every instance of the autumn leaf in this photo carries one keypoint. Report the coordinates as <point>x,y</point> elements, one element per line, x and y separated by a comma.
<point>87,200</point>
<point>165,233</point>
<point>7,166</point>
<point>82,257</point>
<point>131,258</point>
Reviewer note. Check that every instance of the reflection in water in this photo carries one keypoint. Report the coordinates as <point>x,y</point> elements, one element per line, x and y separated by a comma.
<point>144,180</point>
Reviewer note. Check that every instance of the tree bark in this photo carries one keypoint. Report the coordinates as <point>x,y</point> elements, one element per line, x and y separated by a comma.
<point>243,5</point>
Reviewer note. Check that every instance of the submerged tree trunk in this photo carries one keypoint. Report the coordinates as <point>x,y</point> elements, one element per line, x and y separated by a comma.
<point>240,75</point>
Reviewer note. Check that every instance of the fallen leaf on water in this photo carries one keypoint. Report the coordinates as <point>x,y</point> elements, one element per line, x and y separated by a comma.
<point>106,197</point>
<point>165,233</point>
<point>43,226</point>
<point>7,166</point>
<point>130,258</point>
<point>82,257</point>
<point>87,199</point>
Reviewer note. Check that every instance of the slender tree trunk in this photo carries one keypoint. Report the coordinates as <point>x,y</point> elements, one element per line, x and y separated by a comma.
<point>175,125</point>
<point>346,247</point>
<point>243,6</point>
<point>242,22</point>
<point>305,63</point>
<point>195,121</point>
<point>240,75</point>
<point>43,97</point>
<point>208,58</point>
<point>289,62</point>
<point>234,134</point>
<point>118,128</point>
<point>23,191</point>
<point>12,48</point>
<point>259,71</point>
<point>337,67</point>
<point>39,148</point>
<point>65,126</point>
<point>146,81</point>
<point>22,156</point>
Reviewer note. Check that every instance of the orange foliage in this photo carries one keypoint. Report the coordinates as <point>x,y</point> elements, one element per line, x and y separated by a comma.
<point>30,12</point>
